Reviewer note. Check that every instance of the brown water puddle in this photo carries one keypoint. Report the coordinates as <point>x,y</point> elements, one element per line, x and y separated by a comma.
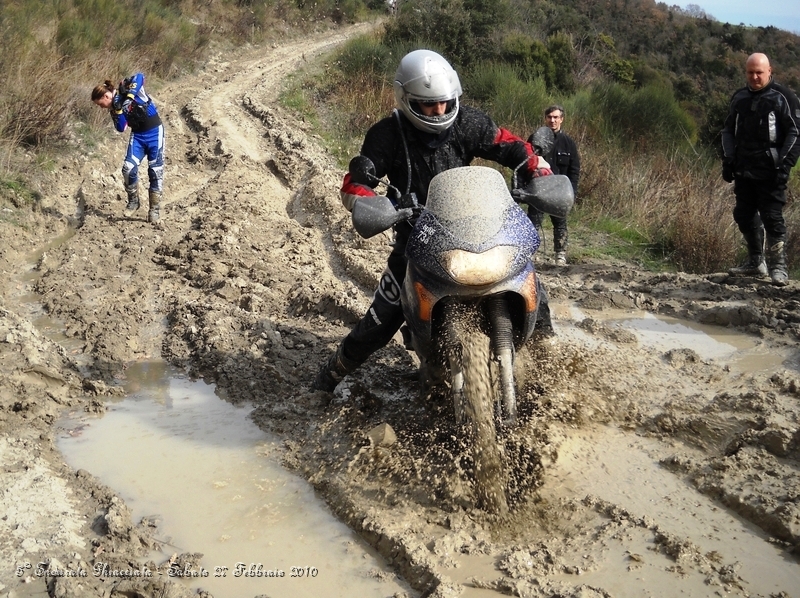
<point>726,346</point>
<point>623,470</point>
<point>174,449</point>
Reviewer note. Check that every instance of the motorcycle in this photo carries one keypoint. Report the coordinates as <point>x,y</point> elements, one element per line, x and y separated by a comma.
<point>471,293</point>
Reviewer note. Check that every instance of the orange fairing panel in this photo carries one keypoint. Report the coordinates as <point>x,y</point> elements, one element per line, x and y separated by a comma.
<point>528,291</point>
<point>426,301</point>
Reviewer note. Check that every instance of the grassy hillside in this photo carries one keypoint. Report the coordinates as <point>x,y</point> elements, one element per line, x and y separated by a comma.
<point>56,51</point>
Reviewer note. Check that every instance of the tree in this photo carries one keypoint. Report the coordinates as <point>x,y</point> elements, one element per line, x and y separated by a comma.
<point>565,60</point>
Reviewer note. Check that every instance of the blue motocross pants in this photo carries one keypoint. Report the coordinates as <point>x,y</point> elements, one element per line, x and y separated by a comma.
<point>148,144</point>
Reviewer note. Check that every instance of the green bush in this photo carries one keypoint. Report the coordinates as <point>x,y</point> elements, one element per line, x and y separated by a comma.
<point>439,25</point>
<point>648,118</point>
<point>511,102</point>
<point>366,56</point>
<point>565,61</point>
<point>529,56</point>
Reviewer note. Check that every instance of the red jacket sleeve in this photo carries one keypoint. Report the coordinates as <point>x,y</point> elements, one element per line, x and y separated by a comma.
<point>351,191</point>
<point>506,137</point>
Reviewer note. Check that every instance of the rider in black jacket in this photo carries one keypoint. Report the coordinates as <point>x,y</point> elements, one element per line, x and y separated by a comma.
<point>761,144</point>
<point>427,134</point>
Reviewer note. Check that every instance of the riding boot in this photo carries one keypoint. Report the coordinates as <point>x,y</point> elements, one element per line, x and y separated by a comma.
<point>560,245</point>
<point>336,368</point>
<point>155,203</point>
<point>776,261</point>
<point>544,321</point>
<point>754,263</point>
<point>133,201</point>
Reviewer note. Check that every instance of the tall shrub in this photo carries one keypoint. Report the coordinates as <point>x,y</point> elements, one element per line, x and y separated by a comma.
<point>649,118</point>
<point>440,25</point>
<point>565,61</point>
<point>513,103</point>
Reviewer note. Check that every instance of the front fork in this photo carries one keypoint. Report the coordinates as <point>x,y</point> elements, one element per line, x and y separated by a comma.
<point>502,336</point>
<point>502,343</point>
<point>452,349</point>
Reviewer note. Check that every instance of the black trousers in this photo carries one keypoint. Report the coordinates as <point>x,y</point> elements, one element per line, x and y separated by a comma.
<point>559,228</point>
<point>758,203</point>
<point>385,315</point>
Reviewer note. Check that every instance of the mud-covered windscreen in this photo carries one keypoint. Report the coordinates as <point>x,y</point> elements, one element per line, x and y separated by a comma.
<point>471,202</point>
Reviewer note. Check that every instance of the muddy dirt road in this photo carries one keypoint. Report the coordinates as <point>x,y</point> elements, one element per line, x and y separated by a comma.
<point>644,468</point>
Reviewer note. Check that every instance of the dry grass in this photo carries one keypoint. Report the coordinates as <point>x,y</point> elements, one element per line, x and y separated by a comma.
<point>54,53</point>
<point>682,207</point>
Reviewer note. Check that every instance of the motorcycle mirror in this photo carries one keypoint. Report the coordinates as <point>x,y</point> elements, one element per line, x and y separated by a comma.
<point>542,140</point>
<point>375,214</point>
<point>362,171</point>
<point>551,194</point>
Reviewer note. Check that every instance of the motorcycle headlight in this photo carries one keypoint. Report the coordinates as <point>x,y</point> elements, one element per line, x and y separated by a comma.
<point>478,269</point>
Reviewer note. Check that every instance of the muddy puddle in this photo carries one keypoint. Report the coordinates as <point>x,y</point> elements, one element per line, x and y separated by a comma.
<point>624,470</point>
<point>657,534</point>
<point>174,450</point>
<point>629,526</point>
<point>717,344</point>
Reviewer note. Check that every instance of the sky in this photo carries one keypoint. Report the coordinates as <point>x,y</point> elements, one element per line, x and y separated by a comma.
<point>783,14</point>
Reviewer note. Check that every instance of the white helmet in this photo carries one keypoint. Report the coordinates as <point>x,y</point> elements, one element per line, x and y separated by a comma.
<point>424,76</point>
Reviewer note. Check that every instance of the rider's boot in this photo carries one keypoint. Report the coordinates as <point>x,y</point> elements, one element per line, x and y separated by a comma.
<point>155,203</point>
<point>754,265</point>
<point>560,246</point>
<point>544,322</point>
<point>332,372</point>
<point>133,201</point>
<point>776,260</point>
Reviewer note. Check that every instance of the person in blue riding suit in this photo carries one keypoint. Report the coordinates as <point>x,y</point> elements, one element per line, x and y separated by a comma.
<point>131,107</point>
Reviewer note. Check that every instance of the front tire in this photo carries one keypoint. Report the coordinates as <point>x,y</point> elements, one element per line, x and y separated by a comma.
<point>480,397</point>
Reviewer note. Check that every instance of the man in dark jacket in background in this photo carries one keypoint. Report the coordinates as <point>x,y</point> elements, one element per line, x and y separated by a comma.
<point>761,144</point>
<point>564,159</point>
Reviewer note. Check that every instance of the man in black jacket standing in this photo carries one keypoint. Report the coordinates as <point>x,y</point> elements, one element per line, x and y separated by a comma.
<point>761,144</point>
<point>564,159</point>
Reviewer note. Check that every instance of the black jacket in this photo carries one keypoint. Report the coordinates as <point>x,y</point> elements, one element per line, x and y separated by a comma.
<point>473,135</point>
<point>565,159</point>
<point>761,135</point>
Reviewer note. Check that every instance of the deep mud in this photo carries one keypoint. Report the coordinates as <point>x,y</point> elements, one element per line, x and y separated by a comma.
<point>635,471</point>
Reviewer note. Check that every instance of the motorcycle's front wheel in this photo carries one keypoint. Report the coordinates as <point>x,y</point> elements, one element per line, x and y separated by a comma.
<point>480,397</point>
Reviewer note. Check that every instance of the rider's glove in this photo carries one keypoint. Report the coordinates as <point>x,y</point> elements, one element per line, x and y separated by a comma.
<point>416,212</point>
<point>116,104</point>
<point>727,171</point>
<point>542,172</point>
<point>783,175</point>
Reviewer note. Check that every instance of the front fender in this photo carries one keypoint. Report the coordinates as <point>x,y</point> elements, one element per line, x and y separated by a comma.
<point>421,295</point>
